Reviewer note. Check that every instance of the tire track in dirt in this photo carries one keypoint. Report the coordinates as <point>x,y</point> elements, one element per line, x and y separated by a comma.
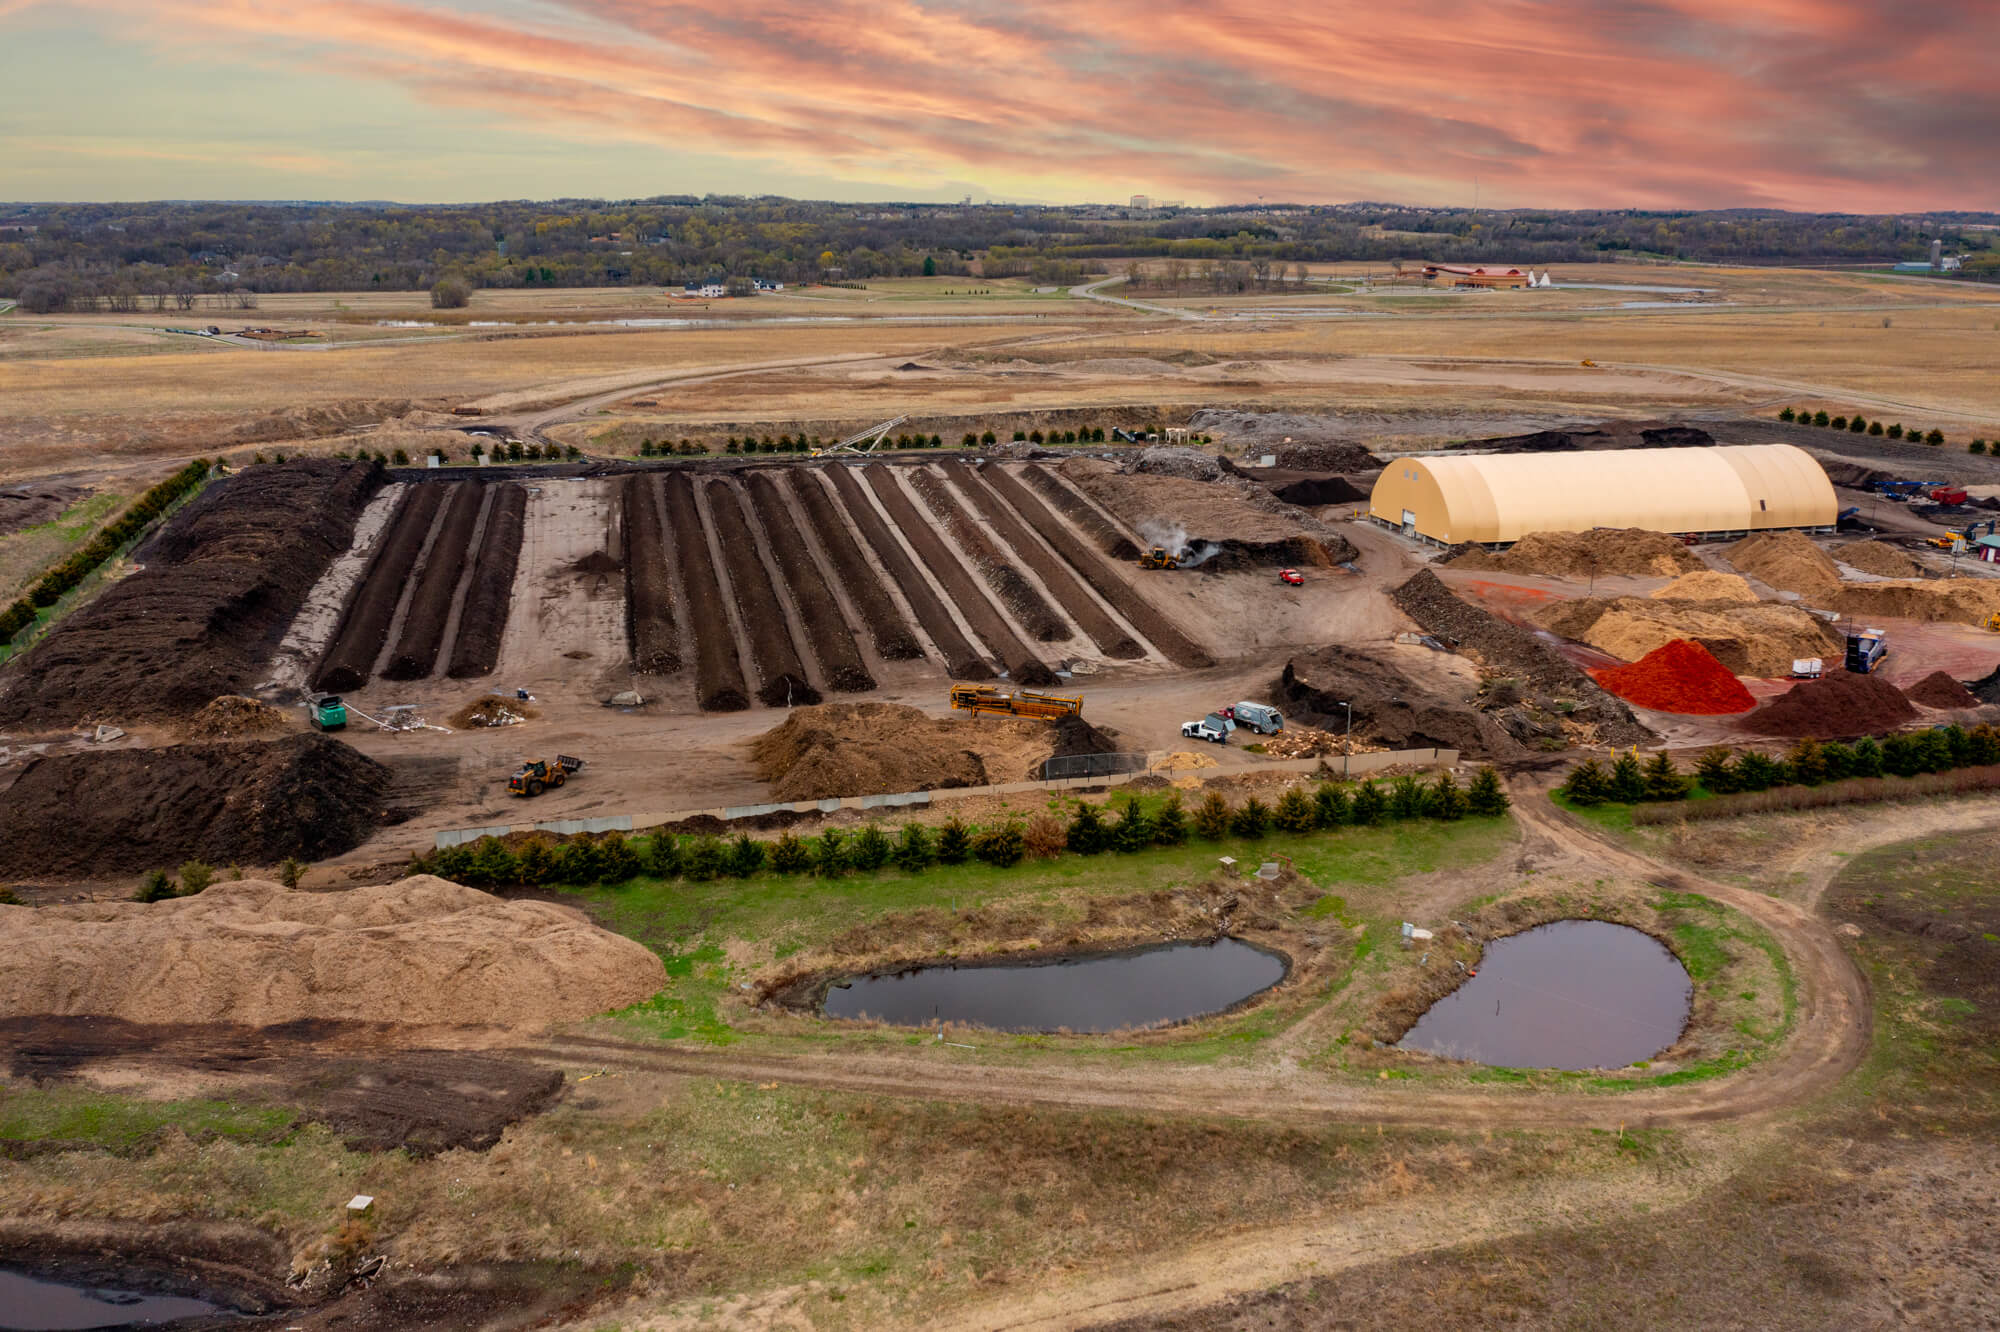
<point>1030,608</point>
<point>1073,506</point>
<point>649,587</point>
<point>826,628</point>
<point>1111,638</point>
<point>351,659</point>
<point>719,685</point>
<point>476,649</point>
<point>886,625</point>
<point>961,660</point>
<point>782,680</point>
<point>1023,666</point>
<point>1174,645</point>
<point>430,606</point>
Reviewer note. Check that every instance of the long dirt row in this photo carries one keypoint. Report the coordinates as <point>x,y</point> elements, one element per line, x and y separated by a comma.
<point>891,633</point>
<point>719,685</point>
<point>430,605</point>
<point>961,659</point>
<point>782,679</point>
<point>1016,593</point>
<point>1023,666</point>
<point>1082,512</point>
<point>649,583</point>
<point>825,629</point>
<point>476,650</point>
<point>1176,646</point>
<point>1075,599</point>
<point>351,658</point>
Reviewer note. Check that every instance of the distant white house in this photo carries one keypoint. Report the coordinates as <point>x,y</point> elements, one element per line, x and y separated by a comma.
<point>763,284</point>
<point>712,289</point>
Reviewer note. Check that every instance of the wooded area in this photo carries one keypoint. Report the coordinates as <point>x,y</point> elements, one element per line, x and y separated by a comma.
<point>123,256</point>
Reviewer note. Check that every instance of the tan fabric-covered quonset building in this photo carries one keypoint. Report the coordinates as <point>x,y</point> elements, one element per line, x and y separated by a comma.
<point>1501,497</point>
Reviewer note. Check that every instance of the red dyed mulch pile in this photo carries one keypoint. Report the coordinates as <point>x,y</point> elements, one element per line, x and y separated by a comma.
<point>1681,677</point>
<point>1940,690</point>
<point>1840,705</point>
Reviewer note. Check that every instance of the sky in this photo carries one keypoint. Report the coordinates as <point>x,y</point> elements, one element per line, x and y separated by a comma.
<point>1818,105</point>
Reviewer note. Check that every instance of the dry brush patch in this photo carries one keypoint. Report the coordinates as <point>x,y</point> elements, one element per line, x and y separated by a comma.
<point>1016,593</point>
<point>819,611</point>
<point>430,605</point>
<point>489,599</point>
<point>886,625</point>
<point>961,660</point>
<point>649,589</point>
<point>781,675</point>
<point>719,685</point>
<point>351,658</point>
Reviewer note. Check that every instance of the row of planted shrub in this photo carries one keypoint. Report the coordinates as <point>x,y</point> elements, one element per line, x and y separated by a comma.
<point>67,575</point>
<point>1861,425</point>
<point>1853,791</point>
<point>1809,763</point>
<point>612,858</point>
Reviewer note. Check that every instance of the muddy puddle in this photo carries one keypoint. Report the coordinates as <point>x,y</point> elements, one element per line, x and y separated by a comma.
<point>29,1303</point>
<point>1106,992</point>
<point>1569,994</point>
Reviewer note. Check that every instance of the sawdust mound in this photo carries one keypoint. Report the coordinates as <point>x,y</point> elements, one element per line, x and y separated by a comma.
<point>1754,638</point>
<point>1836,706</point>
<point>419,951</point>
<point>1882,560</point>
<point>1680,677</point>
<point>1788,561</point>
<point>233,717</point>
<point>1706,585</point>
<point>1940,690</point>
<point>1954,600</point>
<point>238,802</point>
<point>851,749</point>
<point>1630,550</point>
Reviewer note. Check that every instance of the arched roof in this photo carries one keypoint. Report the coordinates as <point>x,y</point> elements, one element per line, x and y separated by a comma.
<point>1504,496</point>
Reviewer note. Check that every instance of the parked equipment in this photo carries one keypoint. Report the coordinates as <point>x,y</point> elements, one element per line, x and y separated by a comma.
<point>985,698</point>
<point>1949,495</point>
<point>1158,558</point>
<point>1865,650</point>
<point>1258,717</point>
<point>1208,728</point>
<point>537,775</point>
<point>862,442</point>
<point>1807,668</point>
<point>329,713</point>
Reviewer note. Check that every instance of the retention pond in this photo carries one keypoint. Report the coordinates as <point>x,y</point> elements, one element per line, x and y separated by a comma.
<point>28,1303</point>
<point>1570,994</point>
<point>1107,992</point>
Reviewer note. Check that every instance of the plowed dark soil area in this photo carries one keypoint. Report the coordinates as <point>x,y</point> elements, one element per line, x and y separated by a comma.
<point>782,681</point>
<point>130,810</point>
<point>487,602</point>
<point>649,583</point>
<point>430,605</point>
<point>351,659</point>
<point>718,673</point>
<point>1176,646</point>
<point>1016,593</point>
<point>1082,512</point>
<point>819,611</point>
<point>961,660</point>
<point>886,625</point>
<point>219,587</point>
<point>1022,665</point>
<point>1074,598</point>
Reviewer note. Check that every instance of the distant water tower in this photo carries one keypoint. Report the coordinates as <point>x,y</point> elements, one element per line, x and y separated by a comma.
<point>1937,254</point>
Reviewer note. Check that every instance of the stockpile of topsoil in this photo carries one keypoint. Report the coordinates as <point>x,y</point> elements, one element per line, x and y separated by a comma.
<point>1838,705</point>
<point>128,810</point>
<point>1940,690</point>
<point>1603,552</point>
<point>422,951</point>
<point>851,749</point>
<point>1388,708</point>
<point>1510,650</point>
<point>219,587</point>
<point>1680,677</point>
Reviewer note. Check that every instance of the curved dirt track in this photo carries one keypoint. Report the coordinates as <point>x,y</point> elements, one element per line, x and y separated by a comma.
<point>1830,1037</point>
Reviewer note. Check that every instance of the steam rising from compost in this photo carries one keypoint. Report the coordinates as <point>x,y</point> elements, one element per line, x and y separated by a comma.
<point>1171,536</point>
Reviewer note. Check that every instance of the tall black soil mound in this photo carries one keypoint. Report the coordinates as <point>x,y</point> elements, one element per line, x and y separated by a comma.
<point>130,810</point>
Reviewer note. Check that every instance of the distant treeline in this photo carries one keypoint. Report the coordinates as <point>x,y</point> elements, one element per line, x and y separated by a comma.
<point>132,256</point>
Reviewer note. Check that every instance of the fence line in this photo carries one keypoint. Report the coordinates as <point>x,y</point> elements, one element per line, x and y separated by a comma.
<point>1357,765</point>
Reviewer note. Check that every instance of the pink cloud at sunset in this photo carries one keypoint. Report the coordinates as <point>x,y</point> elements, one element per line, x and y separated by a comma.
<point>1854,105</point>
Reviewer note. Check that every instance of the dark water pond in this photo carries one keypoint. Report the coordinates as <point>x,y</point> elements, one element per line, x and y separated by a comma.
<point>42,1306</point>
<point>1086,994</point>
<point>1570,994</point>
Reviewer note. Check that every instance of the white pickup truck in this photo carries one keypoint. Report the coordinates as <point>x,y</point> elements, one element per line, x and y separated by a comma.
<point>1208,728</point>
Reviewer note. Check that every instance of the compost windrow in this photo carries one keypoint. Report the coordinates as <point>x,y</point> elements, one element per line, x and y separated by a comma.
<point>430,605</point>
<point>886,625</point>
<point>350,660</point>
<point>649,586</point>
<point>961,660</point>
<point>1023,666</point>
<point>719,684</point>
<point>1109,538</point>
<point>1016,593</point>
<point>483,620</point>
<point>782,679</point>
<point>1176,646</point>
<point>825,627</point>
<point>1111,639</point>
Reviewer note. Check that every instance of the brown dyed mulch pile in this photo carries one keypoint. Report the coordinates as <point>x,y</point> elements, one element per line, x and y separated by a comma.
<point>1940,690</point>
<point>1838,705</point>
